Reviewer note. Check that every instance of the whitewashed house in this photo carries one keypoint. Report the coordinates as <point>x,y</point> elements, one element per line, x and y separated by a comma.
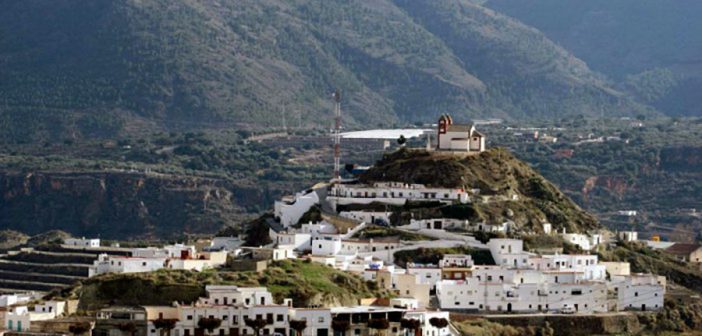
<point>639,292</point>
<point>231,305</point>
<point>81,242</point>
<point>290,209</point>
<point>585,241</point>
<point>20,318</point>
<point>395,193</point>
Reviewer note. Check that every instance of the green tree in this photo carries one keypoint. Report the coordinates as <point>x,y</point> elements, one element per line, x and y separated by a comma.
<point>411,324</point>
<point>165,325</point>
<point>256,324</point>
<point>299,326</point>
<point>340,327</point>
<point>209,323</point>
<point>379,324</point>
<point>438,322</point>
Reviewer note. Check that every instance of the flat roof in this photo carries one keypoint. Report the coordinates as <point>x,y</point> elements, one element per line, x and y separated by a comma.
<point>386,134</point>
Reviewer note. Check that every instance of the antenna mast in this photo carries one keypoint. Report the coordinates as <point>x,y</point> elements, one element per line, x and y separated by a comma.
<point>337,135</point>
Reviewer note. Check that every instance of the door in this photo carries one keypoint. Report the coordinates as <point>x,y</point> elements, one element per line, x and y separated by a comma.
<point>509,307</point>
<point>643,307</point>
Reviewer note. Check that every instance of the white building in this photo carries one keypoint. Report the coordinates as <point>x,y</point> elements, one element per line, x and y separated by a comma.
<point>81,242</point>
<point>225,244</point>
<point>232,305</point>
<point>639,292</point>
<point>427,274</point>
<point>290,209</point>
<point>628,236</point>
<point>372,217</point>
<point>7,300</point>
<point>19,318</point>
<point>585,241</point>
<point>525,282</point>
<point>507,292</point>
<point>178,256</point>
<point>122,264</point>
<point>395,193</point>
<point>456,260</point>
<point>455,137</point>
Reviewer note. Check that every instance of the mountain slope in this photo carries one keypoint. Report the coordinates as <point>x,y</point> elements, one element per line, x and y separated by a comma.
<point>526,74</point>
<point>634,42</point>
<point>98,68</point>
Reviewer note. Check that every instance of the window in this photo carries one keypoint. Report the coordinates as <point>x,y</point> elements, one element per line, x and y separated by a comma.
<point>320,319</point>
<point>280,318</point>
<point>189,317</point>
<point>636,293</point>
<point>357,332</point>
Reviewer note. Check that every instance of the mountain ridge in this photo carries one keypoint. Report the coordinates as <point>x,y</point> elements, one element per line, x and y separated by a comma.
<point>102,68</point>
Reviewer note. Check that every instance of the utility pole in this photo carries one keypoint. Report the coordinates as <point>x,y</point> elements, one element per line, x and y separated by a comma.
<point>337,135</point>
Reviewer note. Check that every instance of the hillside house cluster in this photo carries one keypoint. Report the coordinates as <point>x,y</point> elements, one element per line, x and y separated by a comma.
<point>529,283</point>
<point>138,260</point>
<point>231,306</point>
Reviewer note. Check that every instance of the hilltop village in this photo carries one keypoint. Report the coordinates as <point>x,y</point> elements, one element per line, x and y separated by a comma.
<point>352,225</point>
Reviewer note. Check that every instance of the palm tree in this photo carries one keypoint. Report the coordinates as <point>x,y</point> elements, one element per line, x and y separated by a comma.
<point>209,323</point>
<point>340,326</point>
<point>438,323</point>
<point>256,324</point>
<point>298,325</point>
<point>379,324</point>
<point>164,325</point>
<point>411,324</point>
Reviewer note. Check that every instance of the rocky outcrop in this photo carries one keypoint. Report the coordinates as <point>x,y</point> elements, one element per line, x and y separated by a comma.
<point>118,205</point>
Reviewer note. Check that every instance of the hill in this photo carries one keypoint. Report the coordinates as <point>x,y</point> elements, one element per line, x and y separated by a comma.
<point>509,189</point>
<point>102,68</point>
<point>306,283</point>
<point>644,45</point>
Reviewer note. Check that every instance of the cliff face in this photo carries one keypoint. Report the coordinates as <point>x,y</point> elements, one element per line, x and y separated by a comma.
<point>118,205</point>
<point>510,190</point>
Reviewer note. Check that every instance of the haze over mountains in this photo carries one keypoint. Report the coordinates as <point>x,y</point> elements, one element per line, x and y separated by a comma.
<point>103,67</point>
<point>652,48</point>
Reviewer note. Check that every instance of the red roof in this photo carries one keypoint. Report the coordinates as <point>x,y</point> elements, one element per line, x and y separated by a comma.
<point>683,249</point>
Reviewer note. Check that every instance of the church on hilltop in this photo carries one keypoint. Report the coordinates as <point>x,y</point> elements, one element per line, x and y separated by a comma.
<point>459,138</point>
